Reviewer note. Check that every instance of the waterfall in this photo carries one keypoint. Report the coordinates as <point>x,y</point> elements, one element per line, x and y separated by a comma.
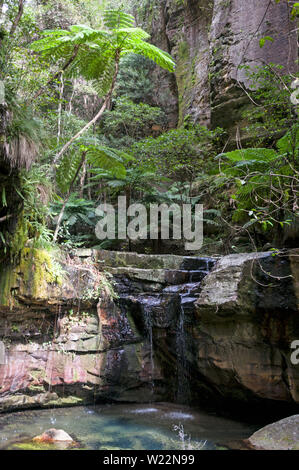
<point>188,294</point>
<point>183,384</point>
<point>148,322</point>
<point>162,305</point>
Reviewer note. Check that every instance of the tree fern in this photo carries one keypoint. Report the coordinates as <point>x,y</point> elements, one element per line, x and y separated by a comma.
<point>95,54</point>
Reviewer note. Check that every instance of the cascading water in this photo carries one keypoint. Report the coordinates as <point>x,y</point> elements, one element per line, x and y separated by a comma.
<point>188,294</point>
<point>183,387</point>
<point>148,321</point>
<point>164,314</point>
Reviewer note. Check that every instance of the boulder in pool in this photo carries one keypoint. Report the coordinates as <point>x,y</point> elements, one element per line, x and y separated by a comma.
<point>53,435</point>
<point>282,435</point>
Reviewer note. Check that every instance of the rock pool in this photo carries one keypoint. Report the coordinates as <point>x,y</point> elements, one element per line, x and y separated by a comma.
<point>160,426</point>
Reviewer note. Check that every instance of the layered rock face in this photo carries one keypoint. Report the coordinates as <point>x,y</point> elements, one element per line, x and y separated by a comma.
<point>210,41</point>
<point>74,335</point>
<point>247,319</point>
<point>66,341</point>
<point>105,326</point>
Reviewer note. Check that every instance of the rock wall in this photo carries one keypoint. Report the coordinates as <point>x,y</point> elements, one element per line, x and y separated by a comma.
<point>99,326</point>
<point>247,319</point>
<point>66,341</point>
<point>210,40</point>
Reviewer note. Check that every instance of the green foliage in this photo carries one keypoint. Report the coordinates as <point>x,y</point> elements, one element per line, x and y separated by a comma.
<point>180,153</point>
<point>264,39</point>
<point>34,192</point>
<point>135,81</point>
<point>78,221</point>
<point>266,183</point>
<point>96,50</point>
<point>273,112</point>
<point>97,157</point>
<point>23,133</point>
<point>129,122</point>
<point>137,180</point>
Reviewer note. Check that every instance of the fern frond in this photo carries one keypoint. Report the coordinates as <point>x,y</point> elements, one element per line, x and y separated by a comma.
<point>132,33</point>
<point>140,47</point>
<point>116,19</point>
<point>106,159</point>
<point>103,75</point>
<point>67,170</point>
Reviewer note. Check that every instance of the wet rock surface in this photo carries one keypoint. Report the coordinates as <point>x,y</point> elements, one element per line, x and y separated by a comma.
<point>79,336</point>
<point>53,435</point>
<point>283,435</point>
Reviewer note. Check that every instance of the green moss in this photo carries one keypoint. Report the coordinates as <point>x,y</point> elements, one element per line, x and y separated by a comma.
<point>7,277</point>
<point>36,388</point>
<point>32,446</point>
<point>186,78</point>
<point>66,401</point>
<point>32,275</point>
<point>19,238</point>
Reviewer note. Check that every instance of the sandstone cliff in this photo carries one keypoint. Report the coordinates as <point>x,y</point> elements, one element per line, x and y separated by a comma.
<point>210,41</point>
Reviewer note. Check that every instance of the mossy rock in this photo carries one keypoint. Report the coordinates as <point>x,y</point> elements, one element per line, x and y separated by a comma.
<point>30,445</point>
<point>32,276</point>
<point>282,435</point>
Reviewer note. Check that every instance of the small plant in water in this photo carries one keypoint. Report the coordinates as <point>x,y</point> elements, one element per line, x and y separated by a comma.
<point>185,439</point>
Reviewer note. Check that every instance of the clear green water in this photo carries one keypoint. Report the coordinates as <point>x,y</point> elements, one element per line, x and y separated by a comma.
<point>130,427</point>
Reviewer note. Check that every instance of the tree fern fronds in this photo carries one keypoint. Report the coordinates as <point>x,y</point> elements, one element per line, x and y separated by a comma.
<point>139,47</point>
<point>95,55</point>
<point>133,33</point>
<point>106,158</point>
<point>116,19</point>
<point>66,170</point>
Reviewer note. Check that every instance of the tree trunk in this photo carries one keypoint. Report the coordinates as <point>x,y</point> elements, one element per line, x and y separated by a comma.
<point>60,109</point>
<point>82,179</point>
<point>1,7</point>
<point>17,18</point>
<point>97,116</point>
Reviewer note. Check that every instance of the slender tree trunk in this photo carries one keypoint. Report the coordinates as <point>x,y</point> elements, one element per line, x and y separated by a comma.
<point>67,197</point>
<point>60,109</point>
<point>89,188</point>
<point>71,99</point>
<point>82,179</point>
<point>1,7</point>
<point>97,116</point>
<point>17,18</point>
